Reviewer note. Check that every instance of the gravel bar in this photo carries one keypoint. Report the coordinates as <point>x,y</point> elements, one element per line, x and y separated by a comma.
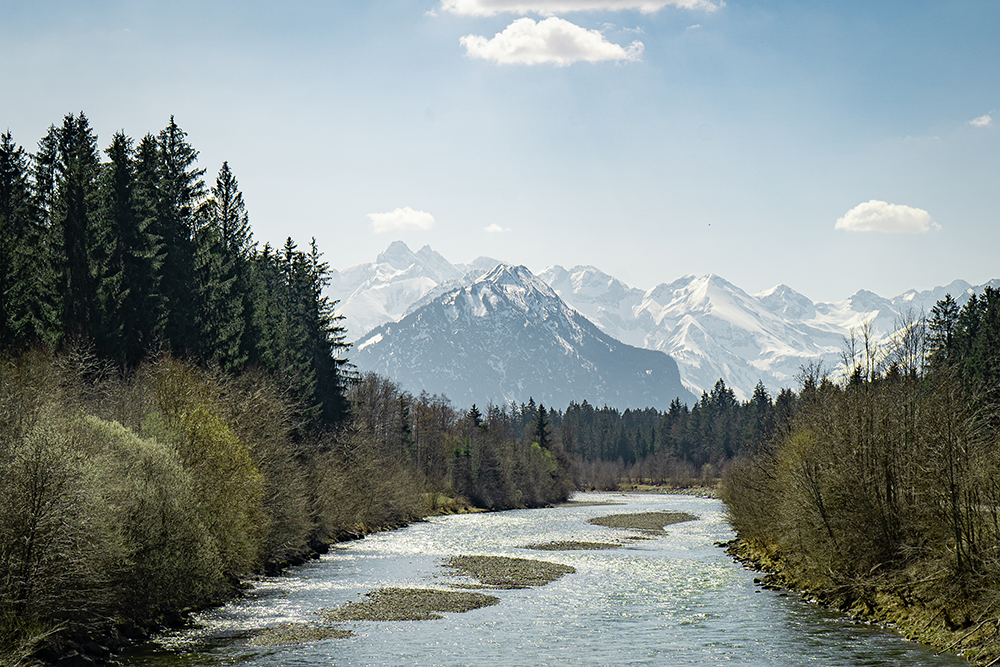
<point>572,546</point>
<point>506,573</point>
<point>409,604</point>
<point>652,522</point>
<point>296,633</point>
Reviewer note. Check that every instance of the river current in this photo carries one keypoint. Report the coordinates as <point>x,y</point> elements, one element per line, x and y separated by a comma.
<point>676,599</point>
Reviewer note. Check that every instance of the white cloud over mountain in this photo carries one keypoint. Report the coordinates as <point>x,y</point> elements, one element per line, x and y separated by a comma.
<point>553,40</point>
<point>880,216</point>
<point>496,229</point>
<point>982,121</point>
<point>401,219</point>
<point>553,7</point>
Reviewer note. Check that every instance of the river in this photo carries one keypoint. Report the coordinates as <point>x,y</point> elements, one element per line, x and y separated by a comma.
<point>673,600</point>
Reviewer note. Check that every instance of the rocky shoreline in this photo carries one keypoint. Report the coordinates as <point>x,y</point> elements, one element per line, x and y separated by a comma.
<point>906,614</point>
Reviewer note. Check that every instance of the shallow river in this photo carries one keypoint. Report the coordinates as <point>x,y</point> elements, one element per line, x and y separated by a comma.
<point>672,600</point>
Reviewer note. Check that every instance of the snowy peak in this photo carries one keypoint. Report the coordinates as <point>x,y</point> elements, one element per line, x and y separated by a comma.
<point>436,265</point>
<point>479,265</point>
<point>517,282</point>
<point>382,291</point>
<point>785,302</point>
<point>398,256</point>
<point>864,301</point>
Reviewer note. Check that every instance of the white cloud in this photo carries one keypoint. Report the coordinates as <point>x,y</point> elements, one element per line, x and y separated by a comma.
<point>553,7</point>
<point>693,27</point>
<point>982,121</point>
<point>401,219</point>
<point>552,40</point>
<point>496,229</point>
<point>879,216</point>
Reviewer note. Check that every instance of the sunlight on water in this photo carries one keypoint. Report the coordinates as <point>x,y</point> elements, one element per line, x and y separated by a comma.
<point>673,600</point>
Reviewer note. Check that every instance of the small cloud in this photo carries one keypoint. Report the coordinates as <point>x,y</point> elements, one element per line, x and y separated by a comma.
<point>982,121</point>
<point>496,229</point>
<point>553,7</point>
<point>880,216</point>
<point>634,31</point>
<point>553,40</point>
<point>694,27</point>
<point>402,219</point>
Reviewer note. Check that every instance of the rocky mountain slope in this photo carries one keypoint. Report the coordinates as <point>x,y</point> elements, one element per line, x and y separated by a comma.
<point>507,336</point>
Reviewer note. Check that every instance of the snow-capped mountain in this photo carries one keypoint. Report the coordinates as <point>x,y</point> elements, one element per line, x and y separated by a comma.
<point>381,291</point>
<point>712,328</point>
<point>507,336</point>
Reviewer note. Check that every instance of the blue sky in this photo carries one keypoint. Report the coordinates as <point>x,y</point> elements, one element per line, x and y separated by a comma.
<point>645,138</point>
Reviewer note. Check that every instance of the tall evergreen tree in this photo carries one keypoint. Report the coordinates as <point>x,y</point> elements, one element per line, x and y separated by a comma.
<point>224,245</point>
<point>541,427</point>
<point>27,314</point>
<point>944,318</point>
<point>180,191</point>
<point>129,260</point>
<point>74,222</point>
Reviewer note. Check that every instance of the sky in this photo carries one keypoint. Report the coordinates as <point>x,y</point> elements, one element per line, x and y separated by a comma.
<point>829,146</point>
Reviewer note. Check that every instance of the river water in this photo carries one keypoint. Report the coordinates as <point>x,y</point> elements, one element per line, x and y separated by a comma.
<point>672,600</point>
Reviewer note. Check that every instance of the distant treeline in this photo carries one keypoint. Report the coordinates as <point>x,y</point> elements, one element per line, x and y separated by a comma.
<point>881,493</point>
<point>680,446</point>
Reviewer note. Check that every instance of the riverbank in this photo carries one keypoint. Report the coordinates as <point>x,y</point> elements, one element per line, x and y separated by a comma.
<point>905,603</point>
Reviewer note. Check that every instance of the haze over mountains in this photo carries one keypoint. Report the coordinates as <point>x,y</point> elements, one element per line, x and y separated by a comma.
<point>710,327</point>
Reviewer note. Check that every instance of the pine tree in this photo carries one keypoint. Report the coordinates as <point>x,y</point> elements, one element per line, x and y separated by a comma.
<point>128,261</point>
<point>150,315</point>
<point>180,190</point>
<point>541,427</point>
<point>944,318</point>
<point>26,312</point>
<point>74,221</point>
<point>223,247</point>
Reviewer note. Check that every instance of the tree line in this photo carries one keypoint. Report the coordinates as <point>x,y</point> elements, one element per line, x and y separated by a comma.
<point>881,492</point>
<point>680,446</point>
<point>136,254</point>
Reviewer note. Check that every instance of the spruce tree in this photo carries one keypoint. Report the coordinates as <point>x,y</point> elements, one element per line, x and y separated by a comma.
<point>541,427</point>
<point>74,221</point>
<point>180,191</point>
<point>130,258</point>
<point>24,318</point>
<point>222,259</point>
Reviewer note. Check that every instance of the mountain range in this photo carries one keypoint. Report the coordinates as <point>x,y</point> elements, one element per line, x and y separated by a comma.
<point>710,327</point>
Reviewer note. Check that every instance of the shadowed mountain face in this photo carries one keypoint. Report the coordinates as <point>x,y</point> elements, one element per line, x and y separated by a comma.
<point>508,336</point>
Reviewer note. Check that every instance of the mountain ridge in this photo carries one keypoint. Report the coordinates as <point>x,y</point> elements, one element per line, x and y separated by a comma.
<point>711,327</point>
<point>507,336</point>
